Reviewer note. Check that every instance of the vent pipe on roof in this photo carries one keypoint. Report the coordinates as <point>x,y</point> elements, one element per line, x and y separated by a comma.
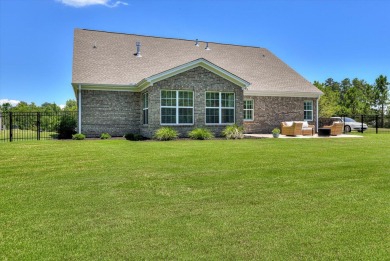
<point>196,43</point>
<point>94,45</point>
<point>138,53</point>
<point>207,47</point>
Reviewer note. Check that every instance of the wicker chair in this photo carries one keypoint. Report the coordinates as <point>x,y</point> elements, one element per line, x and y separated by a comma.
<point>307,129</point>
<point>293,130</point>
<point>336,128</point>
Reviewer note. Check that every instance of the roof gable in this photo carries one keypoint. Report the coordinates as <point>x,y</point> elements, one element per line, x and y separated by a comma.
<point>190,65</point>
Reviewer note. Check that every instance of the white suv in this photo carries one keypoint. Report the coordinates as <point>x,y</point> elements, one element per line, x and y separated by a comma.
<point>351,124</point>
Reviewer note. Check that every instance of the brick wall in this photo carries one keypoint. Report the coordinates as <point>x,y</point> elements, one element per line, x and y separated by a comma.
<point>118,113</point>
<point>269,112</point>
<point>113,112</point>
<point>198,80</point>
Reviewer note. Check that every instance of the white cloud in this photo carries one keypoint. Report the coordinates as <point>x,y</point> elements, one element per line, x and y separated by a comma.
<point>62,106</point>
<point>12,102</point>
<point>82,3</point>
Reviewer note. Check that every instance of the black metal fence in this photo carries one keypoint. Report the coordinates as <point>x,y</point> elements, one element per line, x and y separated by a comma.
<point>15,126</point>
<point>367,123</point>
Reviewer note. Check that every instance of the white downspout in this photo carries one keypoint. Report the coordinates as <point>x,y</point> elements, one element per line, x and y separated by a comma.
<point>317,113</point>
<point>79,107</point>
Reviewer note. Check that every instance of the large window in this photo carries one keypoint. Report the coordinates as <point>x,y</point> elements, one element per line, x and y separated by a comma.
<point>220,108</point>
<point>145,108</point>
<point>308,110</point>
<point>248,110</point>
<point>177,107</point>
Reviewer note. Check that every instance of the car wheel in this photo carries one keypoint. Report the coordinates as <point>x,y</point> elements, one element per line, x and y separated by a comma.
<point>347,128</point>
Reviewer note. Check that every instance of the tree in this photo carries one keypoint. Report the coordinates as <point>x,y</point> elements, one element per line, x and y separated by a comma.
<point>71,105</point>
<point>381,93</point>
<point>6,107</point>
<point>328,104</point>
<point>50,107</point>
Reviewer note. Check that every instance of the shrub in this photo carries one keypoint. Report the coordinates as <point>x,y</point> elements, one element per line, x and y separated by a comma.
<point>67,127</point>
<point>132,136</point>
<point>165,133</point>
<point>233,132</point>
<point>129,136</point>
<point>78,136</point>
<point>200,134</point>
<point>105,136</point>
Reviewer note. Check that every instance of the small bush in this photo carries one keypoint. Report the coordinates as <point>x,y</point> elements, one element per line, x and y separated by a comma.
<point>200,134</point>
<point>105,136</point>
<point>129,136</point>
<point>78,136</point>
<point>165,133</point>
<point>67,127</point>
<point>132,136</point>
<point>233,132</point>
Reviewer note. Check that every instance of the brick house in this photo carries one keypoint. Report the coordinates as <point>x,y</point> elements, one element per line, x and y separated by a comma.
<point>132,83</point>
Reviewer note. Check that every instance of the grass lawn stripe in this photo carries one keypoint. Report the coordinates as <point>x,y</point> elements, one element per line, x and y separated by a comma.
<point>248,199</point>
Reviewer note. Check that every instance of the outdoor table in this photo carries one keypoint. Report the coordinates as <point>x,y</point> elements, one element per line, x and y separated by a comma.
<point>323,132</point>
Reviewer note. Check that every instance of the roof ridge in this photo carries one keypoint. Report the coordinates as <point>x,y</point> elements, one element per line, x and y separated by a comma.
<point>172,38</point>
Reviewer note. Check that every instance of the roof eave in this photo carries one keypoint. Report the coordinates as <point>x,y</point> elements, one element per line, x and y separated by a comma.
<point>296,94</point>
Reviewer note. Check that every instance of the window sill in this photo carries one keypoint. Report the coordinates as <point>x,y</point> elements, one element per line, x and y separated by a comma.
<point>174,124</point>
<point>219,124</point>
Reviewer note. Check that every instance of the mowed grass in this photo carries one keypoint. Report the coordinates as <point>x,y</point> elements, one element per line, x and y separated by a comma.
<point>264,199</point>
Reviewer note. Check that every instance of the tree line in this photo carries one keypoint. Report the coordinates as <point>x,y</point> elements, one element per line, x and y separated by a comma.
<point>356,97</point>
<point>46,107</point>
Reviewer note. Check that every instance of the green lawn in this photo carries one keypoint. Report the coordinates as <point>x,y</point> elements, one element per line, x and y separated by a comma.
<point>265,199</point>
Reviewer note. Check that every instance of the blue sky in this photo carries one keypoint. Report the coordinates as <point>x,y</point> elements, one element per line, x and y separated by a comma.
<point>318,38</point>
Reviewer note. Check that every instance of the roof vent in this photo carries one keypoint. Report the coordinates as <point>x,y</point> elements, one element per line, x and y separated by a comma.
<point>207,47</point>
<point>94,45</point>
<point>138,53</point>
<point>196,43</point>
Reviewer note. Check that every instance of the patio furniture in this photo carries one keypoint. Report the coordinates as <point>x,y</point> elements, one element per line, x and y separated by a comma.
<point>291,128</point>
<point>307,129</point>
<point>324,132</point>
<point>336,128</point>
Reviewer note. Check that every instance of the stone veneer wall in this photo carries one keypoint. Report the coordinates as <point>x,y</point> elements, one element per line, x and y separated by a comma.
<point>113,112</point>
<point>198,80</point>
<point>269,112</point>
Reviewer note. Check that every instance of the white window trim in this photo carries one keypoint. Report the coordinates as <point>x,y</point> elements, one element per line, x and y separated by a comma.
<point>312,110</point>
<point>145,108</point>
<point>252,110</point>
<point>220,109</point>
<point>176,107</point>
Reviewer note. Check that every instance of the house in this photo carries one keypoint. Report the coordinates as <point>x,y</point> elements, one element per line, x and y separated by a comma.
<point>133,83</point>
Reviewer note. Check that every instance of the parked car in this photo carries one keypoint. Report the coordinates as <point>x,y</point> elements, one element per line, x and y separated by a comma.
<point>351,124</point>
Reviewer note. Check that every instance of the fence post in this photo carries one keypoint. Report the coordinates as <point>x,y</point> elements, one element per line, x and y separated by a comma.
<point>361,127</point>
<point>10,126</point>
<point>376,123</point>
<point>38,126</point>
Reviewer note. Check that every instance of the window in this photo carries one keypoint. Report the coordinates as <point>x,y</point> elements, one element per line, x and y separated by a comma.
<point>248,110</point>
<point>145,108</point>
<point>308,110</point>
<point>220,107</point>
<point>177,107</point>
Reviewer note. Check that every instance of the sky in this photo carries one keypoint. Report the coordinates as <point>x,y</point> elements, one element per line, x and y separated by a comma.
<point>320,39</point>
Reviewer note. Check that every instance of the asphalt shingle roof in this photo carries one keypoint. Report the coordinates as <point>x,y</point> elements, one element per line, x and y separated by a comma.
<point>108,58</point>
